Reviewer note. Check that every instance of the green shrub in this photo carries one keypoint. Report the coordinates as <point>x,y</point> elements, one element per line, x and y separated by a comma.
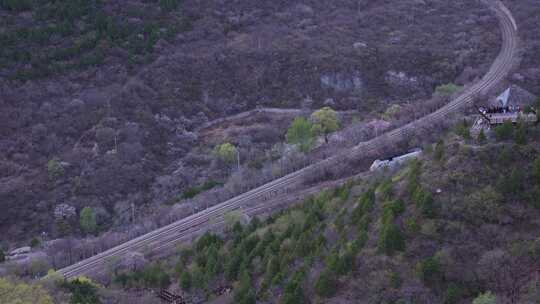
<point>300,133</point>
<point>462,129</point>
<point>429,270</point>
<point>248,244</point>
<point>232,265</point>
<point>184,255</point>
<point>439,151</point>
<point>169,5</point>
<point>244,294</point>
<point>448,89</point>
<point>504,131</point>
<point>151,276</point>
<point>272,268</point>
<point>194,191</point>
<point>385,189</point>
<point>482,137</point>
<point>325,121</point>
<point>2,256</point>
<point>521,134</point>
<point>82,292</point>
<point>326,284</point>
<point>38,267</point>
<point>320,242</point>
<point>485,298</point>
<point>390,239</point>
<point>198,279</point>
<point>387,214</point>
<point>207,240</point>
<point>55,169</point>
<point>395,279</point>
<point>398,207</point>
<point>304,246</point>
<point>366,202</point>
<point>359,242</point>
<point>226,152</point>
<point>278,278</point>
<point>340,263</point>
<point>412,226</point>
<point>332,261</point>
<point>505,157</point>
<point>483,205</point>
<point>413,176</point>
<point>424,202</point>
<point>512,184</point>
<point>34,242</point>
<point>92,59</point>
<point>532,197</point>
<point>453,293</point>
<point>391,209</point>
<point>391,112</point>
<point>63,227</point>
<point>16,5</point>
<point>363,223</point>
<point>254,224</point>
<point>347,262</point>
<point>343,191</point>
<point>185,280</point>
<point>155,276</point>
<point>212,264</point>
<point>88,220</point>
<point>292,293</point>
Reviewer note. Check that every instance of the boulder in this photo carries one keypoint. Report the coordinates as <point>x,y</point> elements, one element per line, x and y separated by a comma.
<point>64,211</point>
<point>342,81</point>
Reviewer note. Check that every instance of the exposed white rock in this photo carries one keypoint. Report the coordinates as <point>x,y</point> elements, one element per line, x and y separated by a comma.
<point>20,251</point>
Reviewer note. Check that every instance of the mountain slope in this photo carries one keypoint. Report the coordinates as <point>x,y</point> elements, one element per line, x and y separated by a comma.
<point>443,229</point>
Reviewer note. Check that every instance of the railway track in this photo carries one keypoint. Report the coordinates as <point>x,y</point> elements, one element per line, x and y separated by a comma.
<point>169,235</point>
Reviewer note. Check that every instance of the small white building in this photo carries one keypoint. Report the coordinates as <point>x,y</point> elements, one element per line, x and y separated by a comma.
<point>395,160</point>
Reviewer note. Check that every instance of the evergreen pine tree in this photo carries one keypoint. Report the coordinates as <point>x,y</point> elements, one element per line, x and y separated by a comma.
<point>326,284</point>
<point>185,280</point>
<point>521,134</point>
<point>88,220</point>
<point>272,268</point>
<point>243,293</point>
<point>482,137</point>
<point>391,239</point>
<point>439,151</point>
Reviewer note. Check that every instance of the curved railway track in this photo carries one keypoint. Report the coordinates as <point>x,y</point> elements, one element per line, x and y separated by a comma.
<point>169,235</point>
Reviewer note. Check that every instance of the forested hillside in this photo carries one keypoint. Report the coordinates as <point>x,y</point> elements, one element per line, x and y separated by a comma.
<point>100,99</point>
<point>460,223</point>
